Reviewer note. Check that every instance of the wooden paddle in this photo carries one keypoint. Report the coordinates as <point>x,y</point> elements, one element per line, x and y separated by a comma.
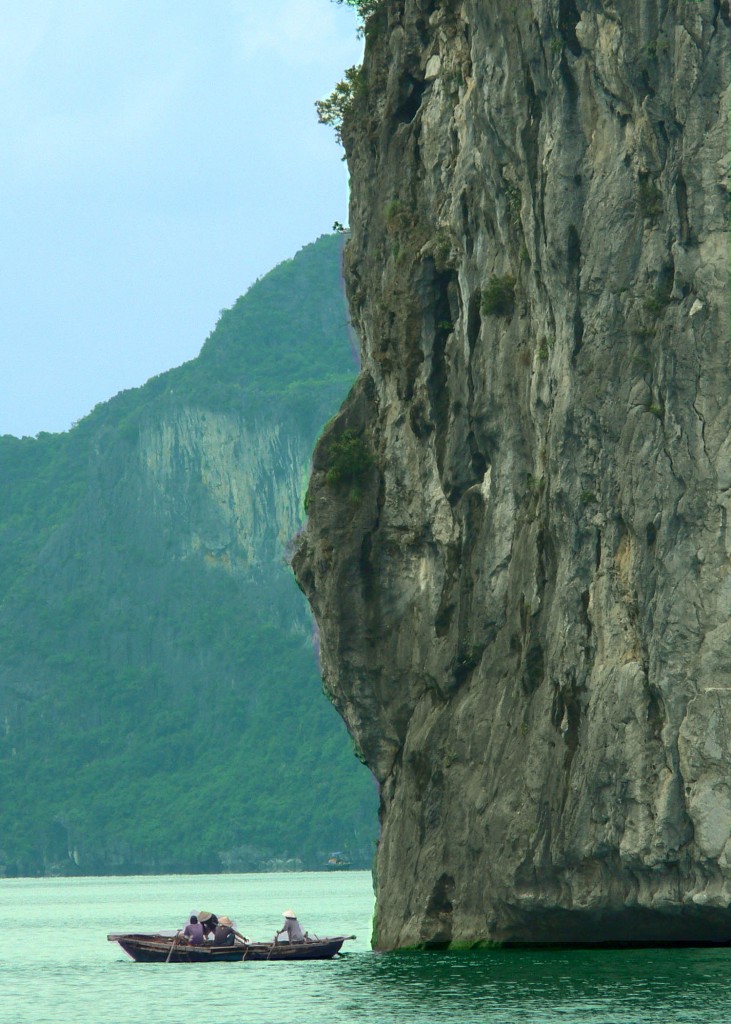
<point>173,945</point>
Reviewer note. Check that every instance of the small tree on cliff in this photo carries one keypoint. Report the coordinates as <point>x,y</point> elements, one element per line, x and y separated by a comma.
<point>364,7</point>
<point>333,109</point>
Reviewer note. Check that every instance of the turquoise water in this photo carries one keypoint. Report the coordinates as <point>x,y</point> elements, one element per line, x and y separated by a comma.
<point>56,966</point>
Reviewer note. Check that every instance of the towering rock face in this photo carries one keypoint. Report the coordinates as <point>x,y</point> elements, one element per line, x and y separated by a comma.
<point>524,604</point>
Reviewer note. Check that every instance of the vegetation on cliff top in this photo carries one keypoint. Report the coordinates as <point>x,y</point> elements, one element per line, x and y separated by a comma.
<point>364,7</point>
<point>334,109</point>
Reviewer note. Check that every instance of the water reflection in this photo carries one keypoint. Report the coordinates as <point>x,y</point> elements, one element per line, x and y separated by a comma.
<point>626,987</point>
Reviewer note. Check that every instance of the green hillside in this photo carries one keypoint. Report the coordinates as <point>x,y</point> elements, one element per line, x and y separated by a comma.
<point>160,704</point>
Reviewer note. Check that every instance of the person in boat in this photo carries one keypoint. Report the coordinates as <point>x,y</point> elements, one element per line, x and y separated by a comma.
<point>292,928</point>
<point>193,931</point>
<point>209,922</point>
<point>224,934</point>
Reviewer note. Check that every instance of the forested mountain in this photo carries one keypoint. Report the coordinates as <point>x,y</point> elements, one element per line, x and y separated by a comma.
<point>160,702</point>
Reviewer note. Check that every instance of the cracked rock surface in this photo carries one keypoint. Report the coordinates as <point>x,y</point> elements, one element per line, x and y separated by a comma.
<point>524,599</point>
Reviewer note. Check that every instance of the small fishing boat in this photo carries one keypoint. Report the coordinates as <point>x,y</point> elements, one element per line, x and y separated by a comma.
<point>310,949</point>
<point>173,949</point>
<point>337,861</point>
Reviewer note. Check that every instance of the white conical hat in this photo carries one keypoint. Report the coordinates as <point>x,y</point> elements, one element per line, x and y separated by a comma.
<point>290,913</point>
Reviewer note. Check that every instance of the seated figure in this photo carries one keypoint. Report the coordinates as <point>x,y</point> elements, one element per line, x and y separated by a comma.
<point>292,928</point>
<point>193,931</point>
<point>209,922</point>
<point>224,934</point>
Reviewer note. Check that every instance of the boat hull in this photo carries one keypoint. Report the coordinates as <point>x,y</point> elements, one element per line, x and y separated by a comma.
<point>320,949</point>
<point>160,949</point>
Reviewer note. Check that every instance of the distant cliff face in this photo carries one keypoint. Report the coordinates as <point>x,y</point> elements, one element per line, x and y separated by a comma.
<point>524,617</point>
<point>237,485</point>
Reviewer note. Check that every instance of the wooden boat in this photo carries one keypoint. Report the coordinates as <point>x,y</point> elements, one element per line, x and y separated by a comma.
<point>310,949</point>
<point>337,862</point>
<point>171,949</point>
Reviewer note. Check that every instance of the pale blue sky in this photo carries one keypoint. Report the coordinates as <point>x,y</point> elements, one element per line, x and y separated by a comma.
<point>158,157</point>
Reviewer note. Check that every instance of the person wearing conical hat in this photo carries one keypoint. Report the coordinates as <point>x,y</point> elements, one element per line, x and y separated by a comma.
<point>209,922</point>
<point>292,928</point>
<point>225,934</point>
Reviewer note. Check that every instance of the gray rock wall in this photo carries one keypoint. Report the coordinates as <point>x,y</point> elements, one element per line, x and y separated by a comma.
<point>524,604</point>
<point>237,485</point>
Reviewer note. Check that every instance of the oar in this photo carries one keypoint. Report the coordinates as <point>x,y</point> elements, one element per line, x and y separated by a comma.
<point>172,947</point>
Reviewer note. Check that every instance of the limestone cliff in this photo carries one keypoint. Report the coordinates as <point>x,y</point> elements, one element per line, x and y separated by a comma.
<point>524,604</point>
<point>237,485</point>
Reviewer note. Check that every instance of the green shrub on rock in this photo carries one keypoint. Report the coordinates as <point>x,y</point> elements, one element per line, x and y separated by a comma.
<point>348,459</point>
<point>335,107</point>
<point>498,298</point>
<point>364,7</point>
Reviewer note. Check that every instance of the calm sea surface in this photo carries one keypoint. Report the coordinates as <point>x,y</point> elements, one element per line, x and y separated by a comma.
<point>56,965</point>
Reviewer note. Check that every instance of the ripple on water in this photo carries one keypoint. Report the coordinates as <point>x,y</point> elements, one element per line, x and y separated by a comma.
<point>73,976</point>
